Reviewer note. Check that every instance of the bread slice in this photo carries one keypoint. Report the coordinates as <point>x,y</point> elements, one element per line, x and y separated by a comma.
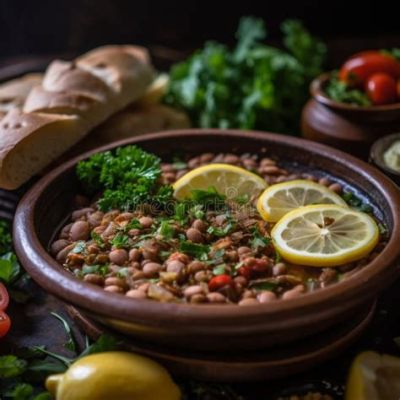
<point>13,93</point>
<point>30,141</point>
<point>74,97</point>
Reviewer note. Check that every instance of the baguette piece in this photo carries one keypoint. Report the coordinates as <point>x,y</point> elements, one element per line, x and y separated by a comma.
<point>13,93</point>
<point>74,98</point>
<point>30,141</point>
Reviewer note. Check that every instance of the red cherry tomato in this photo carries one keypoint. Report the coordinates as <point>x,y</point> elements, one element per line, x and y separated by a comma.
<point>356,70</point>
<point>220,281</point>
<point>253,267</point>
<point>381,89</point>
<point>5,324</point>
<point>4,299</point>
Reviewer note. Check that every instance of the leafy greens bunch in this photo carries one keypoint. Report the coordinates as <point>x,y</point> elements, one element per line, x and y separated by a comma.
<point>127,178</point>
<point>253,86</point>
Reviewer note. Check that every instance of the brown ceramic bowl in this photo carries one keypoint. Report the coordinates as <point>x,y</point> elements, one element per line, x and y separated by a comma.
<point>344,126</point>
<point>213,327</point>
<point>376,156</point>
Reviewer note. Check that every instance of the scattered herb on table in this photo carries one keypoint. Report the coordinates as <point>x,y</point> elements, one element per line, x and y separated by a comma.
<point>253,86</point>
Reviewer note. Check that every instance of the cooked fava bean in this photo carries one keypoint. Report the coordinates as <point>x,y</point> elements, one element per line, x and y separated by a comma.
<point>151,269</point>
<point>136,294</point>
<point>194,235</point>
<point>114,289</point>
<point>279,269</point>
<point>192,290</point>
<point>336,187</point>
<point>297,291</point>
<point>134,254</point>
<point>199,225</point>
<point>83,212</point>
<point>202,254</point>
<point>118,256</point>
<point>248,302</point>
<point>58,245</point>
<point>63,254</point>
<point>198,298</point>
<point>216,297</point>
<point>266,297</point>
<point>114,281</point>
<point>94,278</point>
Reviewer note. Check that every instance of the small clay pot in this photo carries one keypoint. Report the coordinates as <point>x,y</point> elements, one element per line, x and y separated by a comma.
<point>376,156</point>
<point>344,126</point>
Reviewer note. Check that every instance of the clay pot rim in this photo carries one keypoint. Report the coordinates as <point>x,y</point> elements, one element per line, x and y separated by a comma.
<point>317,92</point>
<point>53,278</point>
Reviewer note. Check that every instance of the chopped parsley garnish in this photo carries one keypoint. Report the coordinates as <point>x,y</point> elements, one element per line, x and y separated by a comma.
<point>128,177</point>
<point>199,251</point>
<point>219,269</point>
<point>80,247</point>
<point>97,239</point>
<point>207,198</point>
<point>166,230</point>
<point>259,241</point>
<point>94,269</point>
<point>264,285</point>
<point>222,231</point>
<point>120,241</point>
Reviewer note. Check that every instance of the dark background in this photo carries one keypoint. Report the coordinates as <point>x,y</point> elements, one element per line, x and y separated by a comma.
<point>68,26</point>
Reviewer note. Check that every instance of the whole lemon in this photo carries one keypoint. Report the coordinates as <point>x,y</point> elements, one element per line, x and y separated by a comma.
<point>113,375</point>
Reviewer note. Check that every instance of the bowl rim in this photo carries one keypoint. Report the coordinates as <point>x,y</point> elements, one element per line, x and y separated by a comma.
<point>53,278</point>
<point>317,91</point>
<point>378,149</point>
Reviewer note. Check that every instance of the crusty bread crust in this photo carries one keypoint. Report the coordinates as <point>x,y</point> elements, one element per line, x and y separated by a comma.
<point>73,98</point>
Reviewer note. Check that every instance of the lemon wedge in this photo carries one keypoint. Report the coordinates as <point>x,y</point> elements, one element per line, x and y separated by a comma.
<point>325,235</point>
<point>374,376</point>
<point>279,199</point>
<point>227,179</point>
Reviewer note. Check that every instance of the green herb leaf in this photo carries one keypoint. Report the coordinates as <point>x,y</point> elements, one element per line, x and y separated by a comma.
<point>71,344</point>
<point>253,86</point>
<point>219,269</point>
<point>355,202</point>
<point>120,241</point>
<point>166,230</point>
<point>80,247</point>
<point>339,91</point>
<point>258,240</point>
<point>97,239</point>
<point>104,343</point>
<point>209,197</point>
<point>11,366</point>
<point>95,269</point>
<point>199,251</point>
<point>5,237</point>
<point>265,285</point>
<point>9,268</point>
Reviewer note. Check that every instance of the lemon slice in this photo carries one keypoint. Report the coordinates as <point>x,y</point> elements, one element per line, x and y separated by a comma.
<point>226,179</point>
<point>279,199</point>
<point>325,235</point>
<point>374,376</point>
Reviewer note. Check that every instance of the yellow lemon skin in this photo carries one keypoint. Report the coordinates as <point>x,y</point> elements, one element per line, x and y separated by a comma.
<point>116,376</point>
<point>373,376</point>
<point>227,179</point>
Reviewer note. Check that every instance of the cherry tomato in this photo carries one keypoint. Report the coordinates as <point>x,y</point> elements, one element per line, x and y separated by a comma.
<point>381,89</point>
<point>253,267</point>
<point>3,297</point>
<point>220,281</point>
<point>5,324</point>
<point>357,69</point>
